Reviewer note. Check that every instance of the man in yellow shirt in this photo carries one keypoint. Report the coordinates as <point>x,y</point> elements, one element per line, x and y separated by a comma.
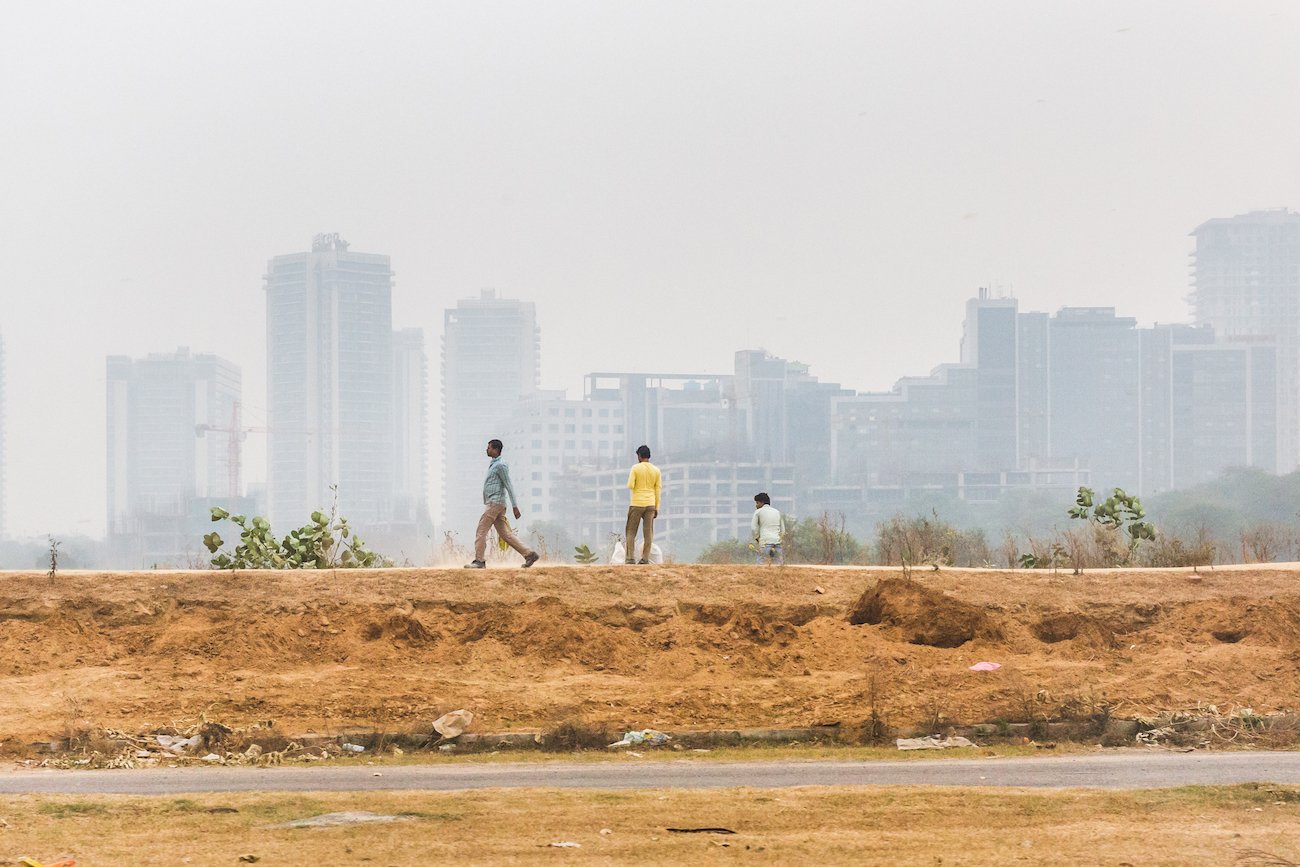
<point>644,483</point>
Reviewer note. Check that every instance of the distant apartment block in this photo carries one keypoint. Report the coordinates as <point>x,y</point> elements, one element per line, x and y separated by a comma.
<point>491,349</point>
<point>1038,399</point>
<point>173,435</point>
<point>1246,283</point>
<point>330,371</point>
<point>548,436</point>
<point>681,416</point>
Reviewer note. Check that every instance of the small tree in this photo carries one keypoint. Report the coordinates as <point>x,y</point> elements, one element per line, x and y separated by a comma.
<point>583,555</point>
<point>1120,514</point>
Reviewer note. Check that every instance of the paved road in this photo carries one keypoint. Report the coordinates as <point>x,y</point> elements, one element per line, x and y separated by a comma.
<point>1112,771</point>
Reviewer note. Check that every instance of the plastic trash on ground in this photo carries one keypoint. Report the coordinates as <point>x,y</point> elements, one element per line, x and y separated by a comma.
<point>177,744</point>
<point>986,666</point>
<point>354,748</point>
<point>453,724</point>
<point>620,553</point>
<point>933,742</point>
<point>648,737</point>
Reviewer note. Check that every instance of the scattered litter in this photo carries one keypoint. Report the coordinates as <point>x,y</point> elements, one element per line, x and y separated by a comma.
<point>649,737</point>
<point>376,774</point>
<point>986,666</point>
<point>354,748</point>
<point>606,832</point>
<point>564,844</point>
<point>453,724</point>
<point>253,751</point>
<point>250,858</point>
<point>933,742</point>
<point>221,810</point>
<point>32,862</point>
<point>177,744</point>
<point>700,830</point>
<point>446,748</point>
<point>351,817</point>
<point>635,754</point>
<point>818,590</point>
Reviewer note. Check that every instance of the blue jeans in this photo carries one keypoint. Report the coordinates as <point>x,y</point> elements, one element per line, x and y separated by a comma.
<point>770,554</point>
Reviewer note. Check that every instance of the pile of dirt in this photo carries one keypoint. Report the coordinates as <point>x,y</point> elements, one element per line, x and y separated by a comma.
<point>668,647</point>
<point>919,615</point>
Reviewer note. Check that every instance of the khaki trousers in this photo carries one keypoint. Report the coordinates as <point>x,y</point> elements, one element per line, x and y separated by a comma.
<point>494,515</point>
<point>643,515</point>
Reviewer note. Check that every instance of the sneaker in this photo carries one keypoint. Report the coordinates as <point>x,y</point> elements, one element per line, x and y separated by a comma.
<point>643,562</point>
<point>531,559</point>
<point>630,562</point>
<point>476,564</point>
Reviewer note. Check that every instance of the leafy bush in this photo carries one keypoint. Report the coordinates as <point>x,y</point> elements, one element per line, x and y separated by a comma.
<point>322,544</point>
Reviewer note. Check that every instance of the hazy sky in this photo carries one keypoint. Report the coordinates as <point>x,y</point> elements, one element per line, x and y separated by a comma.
<point>669,181</point>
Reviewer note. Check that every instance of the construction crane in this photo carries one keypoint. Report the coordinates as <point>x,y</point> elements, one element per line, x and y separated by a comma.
<point>235,435</point>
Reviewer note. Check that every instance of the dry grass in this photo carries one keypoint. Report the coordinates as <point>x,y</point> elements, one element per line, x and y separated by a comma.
<point>1216,825</point>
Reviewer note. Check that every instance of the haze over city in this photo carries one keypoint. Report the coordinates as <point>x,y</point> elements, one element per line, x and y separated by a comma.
<point>667,182</point>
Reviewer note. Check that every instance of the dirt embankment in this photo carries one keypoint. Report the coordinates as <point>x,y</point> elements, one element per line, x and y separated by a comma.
<point>669,647</point>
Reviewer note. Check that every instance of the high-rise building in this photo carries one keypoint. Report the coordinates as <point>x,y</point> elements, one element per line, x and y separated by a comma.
<point>174,437</point>
<point>491,350</point>
<point>549,437</point>
<point>989,345</point>
<point>1044,400</point>
<point>1095,394</point>
<point>1246,282</point>
<point>410,428</point>
<point>329,329</point>
<point>787,413</point>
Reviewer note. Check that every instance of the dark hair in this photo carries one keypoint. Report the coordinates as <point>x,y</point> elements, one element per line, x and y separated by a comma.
<point>763,498</point>
<point>497,444</point>
<point>643,452</point>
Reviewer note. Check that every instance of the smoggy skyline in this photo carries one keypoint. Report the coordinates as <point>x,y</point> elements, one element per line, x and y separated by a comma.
<point>668,182</point>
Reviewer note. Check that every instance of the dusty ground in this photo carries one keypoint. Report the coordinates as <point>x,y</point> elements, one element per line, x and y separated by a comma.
<point>668,647</point>
<point>1239,825</point>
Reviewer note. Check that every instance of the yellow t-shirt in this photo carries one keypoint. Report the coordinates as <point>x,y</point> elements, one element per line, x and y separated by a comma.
<point>644,484</point>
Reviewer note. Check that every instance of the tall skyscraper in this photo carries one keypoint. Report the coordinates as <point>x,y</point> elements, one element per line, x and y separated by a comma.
<point>1247,283</point>
<point>329,329</point>
<point>173,444</point>
<point>410,428</point>
<point>491,350</point>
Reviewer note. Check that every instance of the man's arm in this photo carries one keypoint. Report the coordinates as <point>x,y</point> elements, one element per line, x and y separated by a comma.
<point>503,470</point>
<point>658,488</point>
<point>631,479</point>
<point>754,525</point>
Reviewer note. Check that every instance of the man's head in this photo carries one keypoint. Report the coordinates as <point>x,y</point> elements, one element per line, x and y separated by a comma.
<point>761,500</point>
<point>643,452</point>
<point>494,448</point>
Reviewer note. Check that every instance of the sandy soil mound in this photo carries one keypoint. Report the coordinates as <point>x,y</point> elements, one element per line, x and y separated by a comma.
<point>921,615</point>
<point>668,647</point>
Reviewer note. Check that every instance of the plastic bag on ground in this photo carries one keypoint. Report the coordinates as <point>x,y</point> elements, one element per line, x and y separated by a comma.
<point>453,724</point>
<point>649,737</point>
